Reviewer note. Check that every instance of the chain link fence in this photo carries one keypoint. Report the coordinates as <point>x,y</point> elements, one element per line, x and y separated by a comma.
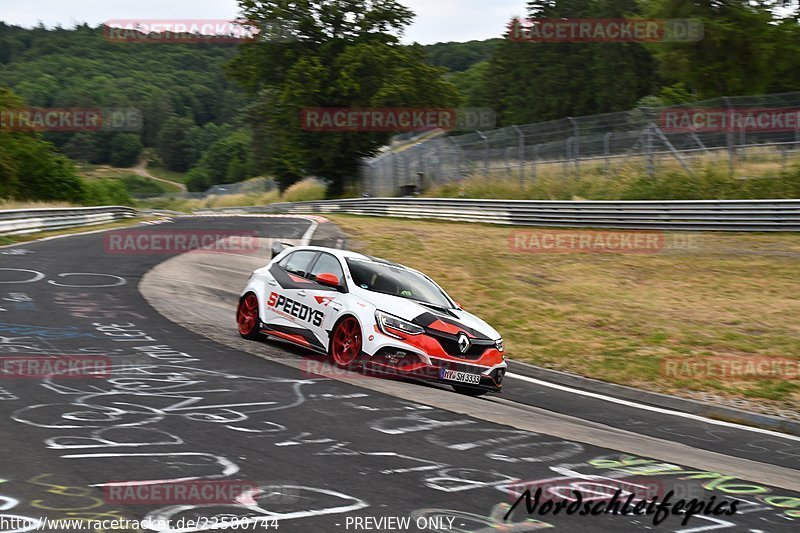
<point>746,134</point>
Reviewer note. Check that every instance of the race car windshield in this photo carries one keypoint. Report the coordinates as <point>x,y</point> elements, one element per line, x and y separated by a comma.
<point>397,281</point>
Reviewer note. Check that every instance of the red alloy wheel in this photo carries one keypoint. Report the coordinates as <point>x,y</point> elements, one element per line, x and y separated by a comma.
<point>346,345</point>
<point>247,315</point>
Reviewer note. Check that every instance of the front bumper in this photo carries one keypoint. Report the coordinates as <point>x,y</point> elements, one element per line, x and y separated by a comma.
<point>428,368</point>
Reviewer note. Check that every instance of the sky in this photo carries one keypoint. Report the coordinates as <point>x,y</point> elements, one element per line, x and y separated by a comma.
<point>436,20</point>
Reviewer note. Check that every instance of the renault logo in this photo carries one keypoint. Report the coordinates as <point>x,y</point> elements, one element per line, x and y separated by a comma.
<point>463,342</point>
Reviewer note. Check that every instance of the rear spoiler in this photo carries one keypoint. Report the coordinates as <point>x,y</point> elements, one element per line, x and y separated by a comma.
<point>279,247</point>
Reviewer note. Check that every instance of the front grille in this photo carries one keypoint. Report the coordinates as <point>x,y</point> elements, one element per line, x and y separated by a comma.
<point>450,346</point>
<point>460,367</point>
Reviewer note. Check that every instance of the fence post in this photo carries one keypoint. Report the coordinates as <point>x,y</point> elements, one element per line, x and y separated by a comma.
<point>521,155</point>
<point>648,143</point>
<point>536,150</point>
<point>485,154</point>
<point>425,160</point>
<point>730,136</point>
<point>460,164</point>
<point>576,143</point>
<point>395,172</point>
<point>568,155</point>
<point>796,136</point>
<point>439,168</point>
<point>607,150</point>
<point>409,163</point>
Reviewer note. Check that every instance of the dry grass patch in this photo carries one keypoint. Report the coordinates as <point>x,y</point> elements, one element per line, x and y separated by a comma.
<point>14,204</point>
<point>615,316</point>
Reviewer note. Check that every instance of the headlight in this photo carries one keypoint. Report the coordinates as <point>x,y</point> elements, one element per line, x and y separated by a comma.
<point>387,323</point>
<point>499,345</point>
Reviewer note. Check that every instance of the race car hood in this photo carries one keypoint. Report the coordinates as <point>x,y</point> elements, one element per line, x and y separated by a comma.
<point>452,321</point>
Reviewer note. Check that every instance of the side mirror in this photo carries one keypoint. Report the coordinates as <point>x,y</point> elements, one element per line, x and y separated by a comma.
<point>329,280</point>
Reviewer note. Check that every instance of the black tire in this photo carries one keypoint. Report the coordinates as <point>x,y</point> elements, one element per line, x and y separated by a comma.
<point>469,391</point>
<point>247,318</point>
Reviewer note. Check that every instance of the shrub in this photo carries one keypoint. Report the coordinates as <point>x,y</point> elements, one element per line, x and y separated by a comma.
<point>105,192</point>
<point>308,190</point>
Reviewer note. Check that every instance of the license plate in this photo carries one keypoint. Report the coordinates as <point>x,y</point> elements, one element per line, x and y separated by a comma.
<point>461,377</point>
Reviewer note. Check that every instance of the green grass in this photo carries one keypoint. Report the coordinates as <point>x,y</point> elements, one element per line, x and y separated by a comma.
<point>132,182</point>
<point>136,184</point>
<point>169,175</point>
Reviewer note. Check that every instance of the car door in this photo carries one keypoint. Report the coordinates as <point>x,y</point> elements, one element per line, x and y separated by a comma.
<point>290,315</point>
<point>325,299</point>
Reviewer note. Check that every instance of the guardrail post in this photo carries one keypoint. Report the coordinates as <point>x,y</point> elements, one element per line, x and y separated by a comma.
<point>521,156</point>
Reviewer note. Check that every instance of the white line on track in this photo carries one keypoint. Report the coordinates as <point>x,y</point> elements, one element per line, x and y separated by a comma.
<point>306,240</point>
<point>652,408</point>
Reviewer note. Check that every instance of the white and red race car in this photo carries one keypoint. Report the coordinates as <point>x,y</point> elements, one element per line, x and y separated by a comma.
<point>370,313</point>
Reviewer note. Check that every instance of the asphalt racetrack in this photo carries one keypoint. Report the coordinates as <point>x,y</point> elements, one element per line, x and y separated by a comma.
<point>322,450</point>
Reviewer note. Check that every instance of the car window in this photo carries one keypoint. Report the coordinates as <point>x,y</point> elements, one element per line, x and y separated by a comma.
<point>397,281</point>
<point>297,263</point>
<point>327,264</point>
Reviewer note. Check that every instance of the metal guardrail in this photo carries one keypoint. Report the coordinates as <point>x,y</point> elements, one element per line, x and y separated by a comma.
<point>22,221</point>
<point>710,215</point>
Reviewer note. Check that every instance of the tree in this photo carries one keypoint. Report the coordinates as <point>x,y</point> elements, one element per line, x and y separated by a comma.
<point>537,81</point>
<point>735,56</point>
<point>331,54</point>
<point>226,161</point>
<point>173,146</point>
<point>125,150</point>
<point>30,169</point>
<point>82,147</point>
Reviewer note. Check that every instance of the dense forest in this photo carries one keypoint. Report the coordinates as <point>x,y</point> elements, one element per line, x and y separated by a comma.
<point>224,112</point>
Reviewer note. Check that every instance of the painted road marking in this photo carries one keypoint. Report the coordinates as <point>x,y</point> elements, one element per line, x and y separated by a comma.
<point>652,408</point>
